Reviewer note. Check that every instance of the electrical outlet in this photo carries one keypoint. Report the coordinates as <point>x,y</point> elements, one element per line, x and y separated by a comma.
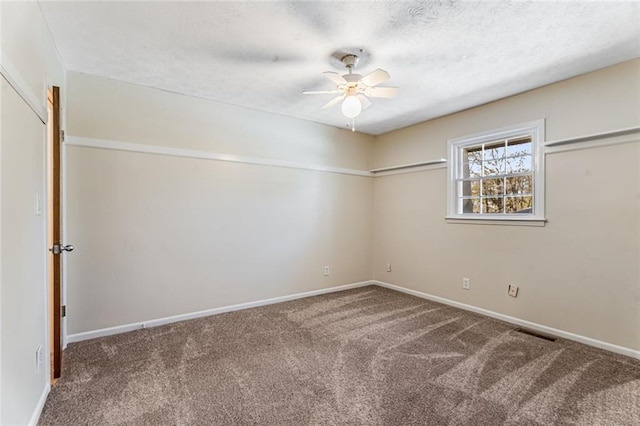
<point>513,290</point>
<point>388,267</point>
<point>326,271</point>
<point>466,283</point>
<point>38,358</point>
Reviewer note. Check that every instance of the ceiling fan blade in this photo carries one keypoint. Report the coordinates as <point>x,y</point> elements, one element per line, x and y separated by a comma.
<point>366,103</point>
<point>375,77</point>
<point>333,101</point>
<point>382,92</point>
<point>319,92</point>
<point>335,77</point>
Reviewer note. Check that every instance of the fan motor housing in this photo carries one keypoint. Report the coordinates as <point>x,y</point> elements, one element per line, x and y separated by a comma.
<point>352,78</point>
<point>357,56</point>
<point>350,61</point>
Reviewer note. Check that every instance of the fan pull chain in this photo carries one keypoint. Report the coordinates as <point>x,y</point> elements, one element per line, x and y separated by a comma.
<point>353,124</point>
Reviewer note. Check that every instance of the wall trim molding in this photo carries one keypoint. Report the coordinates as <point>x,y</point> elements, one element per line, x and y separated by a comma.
<point>15,80</point>
<point>35,416</point>
<point>595,140</point>
<point>593,136</point>
<point>513,320</point>
<point>78,337</point>
<point>613,137</point>
<point>207,155</point>
<point>409,166</point>
<point>435,165</point>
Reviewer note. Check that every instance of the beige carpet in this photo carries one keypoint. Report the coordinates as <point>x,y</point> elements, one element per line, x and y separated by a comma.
<point>368,356</point>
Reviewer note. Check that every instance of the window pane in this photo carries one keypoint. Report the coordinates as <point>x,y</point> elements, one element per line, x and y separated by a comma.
<point>471,205</point>
<point>519,185</point>
<point>472,155</point>
<point>494,167</point>
<point>492,186</point>
<point>494,151</point>
<point>471,188</point>
<point>522,164</point>
<point>492,205</point>
<point>472,162</point>
<point>519,147</point>
<point>472,170</point>
<point>519,204</point>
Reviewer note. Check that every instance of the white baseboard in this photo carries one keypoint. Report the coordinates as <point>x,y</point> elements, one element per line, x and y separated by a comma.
<point>531,325</point>
<point>33,421</point>
<point>520,322</point>
<point>176,318</point>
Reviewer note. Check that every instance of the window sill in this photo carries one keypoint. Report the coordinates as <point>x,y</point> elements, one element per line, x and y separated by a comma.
<point>501,221</point>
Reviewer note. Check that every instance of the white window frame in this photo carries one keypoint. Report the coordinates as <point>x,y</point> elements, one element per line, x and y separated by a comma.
<point>535,129</point>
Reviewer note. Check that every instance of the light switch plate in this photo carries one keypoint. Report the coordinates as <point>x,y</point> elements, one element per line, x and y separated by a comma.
<point>38,205</point>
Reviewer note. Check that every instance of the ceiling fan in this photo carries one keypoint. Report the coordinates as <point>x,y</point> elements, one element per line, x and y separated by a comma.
<point>355,90</point>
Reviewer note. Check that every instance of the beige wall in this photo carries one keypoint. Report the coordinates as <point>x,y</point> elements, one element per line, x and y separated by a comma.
<point>580,272</point>
<point>158,236</point>
<point>104,109</point>
<point>22,314</point>
<point>28,50</point>
<point>592,103</point>
<point>26,42</point>
<point>231,233</point>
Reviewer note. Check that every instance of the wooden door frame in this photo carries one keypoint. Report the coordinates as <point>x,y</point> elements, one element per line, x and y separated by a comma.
<point>54,141</point>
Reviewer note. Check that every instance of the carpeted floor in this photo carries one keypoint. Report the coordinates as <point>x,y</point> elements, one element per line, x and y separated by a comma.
<point>368,356</point>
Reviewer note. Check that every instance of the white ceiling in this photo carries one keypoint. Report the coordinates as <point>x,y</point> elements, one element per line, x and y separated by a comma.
<point>444,55</point>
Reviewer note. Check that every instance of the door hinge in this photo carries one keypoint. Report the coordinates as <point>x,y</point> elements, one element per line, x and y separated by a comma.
<point>63,311</point>
<point>62,135</point>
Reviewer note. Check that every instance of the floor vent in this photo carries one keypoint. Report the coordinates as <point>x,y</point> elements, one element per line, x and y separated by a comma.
<point>535,334</point>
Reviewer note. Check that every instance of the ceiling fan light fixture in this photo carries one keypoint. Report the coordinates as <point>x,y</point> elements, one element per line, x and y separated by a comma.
<point>353,90</point>
<point>351,107</point>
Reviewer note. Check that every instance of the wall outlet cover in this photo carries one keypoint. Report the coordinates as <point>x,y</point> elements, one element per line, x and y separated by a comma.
<point>466,283</point>
<point>513,290</point>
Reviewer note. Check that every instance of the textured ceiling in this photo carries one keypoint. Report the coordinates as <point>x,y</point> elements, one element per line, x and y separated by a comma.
<point>444,55</point>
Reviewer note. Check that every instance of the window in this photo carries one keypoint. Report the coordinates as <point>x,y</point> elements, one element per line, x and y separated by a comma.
<point>498,175</point>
